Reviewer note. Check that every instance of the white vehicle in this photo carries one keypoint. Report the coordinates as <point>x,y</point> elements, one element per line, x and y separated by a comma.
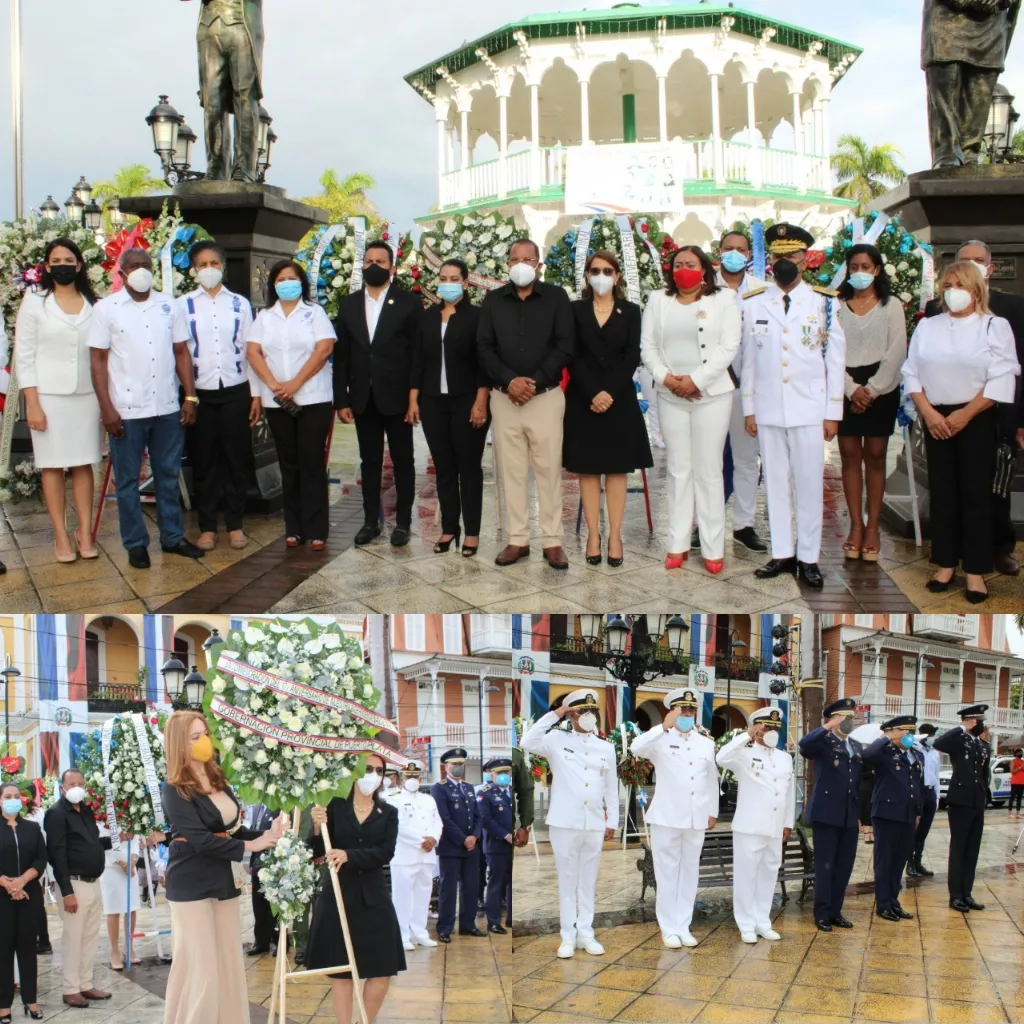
<point>999,788</point>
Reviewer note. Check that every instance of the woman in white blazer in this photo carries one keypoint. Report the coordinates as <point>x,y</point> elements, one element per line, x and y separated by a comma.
<point>52,362</point>
<point>690,336</point>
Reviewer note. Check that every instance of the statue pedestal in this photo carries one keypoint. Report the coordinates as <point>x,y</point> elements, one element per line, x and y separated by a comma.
<point>945,208</point>
<point>257,226</point>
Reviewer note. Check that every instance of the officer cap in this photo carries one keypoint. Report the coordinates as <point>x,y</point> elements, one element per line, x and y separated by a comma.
<point>499,764</point>
<point>907,722</point>
<point>770,717</point>
<point>412,768</point>
<point>681,698</point>
<point>456,755</point>
<point>974,711</point>
<point>783,239</point>
<point>582,700</point>
<point>844,706</point>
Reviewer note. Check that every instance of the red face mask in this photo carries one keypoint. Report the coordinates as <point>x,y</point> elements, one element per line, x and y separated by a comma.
<point>687,278</point>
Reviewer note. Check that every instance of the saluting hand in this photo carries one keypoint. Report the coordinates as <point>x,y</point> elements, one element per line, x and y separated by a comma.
<point>671,718</point>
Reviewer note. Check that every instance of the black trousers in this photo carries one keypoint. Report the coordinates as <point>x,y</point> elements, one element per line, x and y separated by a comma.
<point>835,850</point>
<point>301,443</point>
<point>1016,793</point>
<point>220,449</point>
<point>483,872</point>
<point>264,927</point>
<point>931,803</point>
<point>457,448</point>
<point>371,426</point>
<point>960,471</point>
<point>499,887</point>
<point>894,843</point>
<point>19,925</point>
<point>459,880</point>
<point>965,828</point>
<point>44,925</point>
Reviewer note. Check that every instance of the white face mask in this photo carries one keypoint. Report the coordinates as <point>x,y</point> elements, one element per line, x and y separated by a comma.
<point>770,738</point>
<point>387,782</point>
<point>74,795</point>
<point>983,267</point>
<point>522,275</point>
<point>140,280</point>
<point>412,785</point>
<point>587,721</point>
<point>368,783</point>
<point>210,277</point>
<point>601,284</point>
<point>957,299</point>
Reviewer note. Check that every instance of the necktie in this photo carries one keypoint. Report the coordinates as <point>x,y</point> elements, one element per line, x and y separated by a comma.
<point>785,303</point>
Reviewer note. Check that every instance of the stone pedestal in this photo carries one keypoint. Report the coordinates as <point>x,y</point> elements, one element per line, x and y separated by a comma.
<point>946,208</point>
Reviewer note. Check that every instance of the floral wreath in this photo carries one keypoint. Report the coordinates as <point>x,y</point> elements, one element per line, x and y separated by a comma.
<point>539,767</point>
<point>288,877</point>
<point>633,771</point>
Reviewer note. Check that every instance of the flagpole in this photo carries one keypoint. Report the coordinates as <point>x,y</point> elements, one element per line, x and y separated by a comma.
<point>16,110</point>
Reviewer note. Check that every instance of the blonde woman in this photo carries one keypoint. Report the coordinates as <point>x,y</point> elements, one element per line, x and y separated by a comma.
<point>207,982</point>
<point>961,363</point>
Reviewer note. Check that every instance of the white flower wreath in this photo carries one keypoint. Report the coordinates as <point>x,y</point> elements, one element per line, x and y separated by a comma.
<point>288,877</point>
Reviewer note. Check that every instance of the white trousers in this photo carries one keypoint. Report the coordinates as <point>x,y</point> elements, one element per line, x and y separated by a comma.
<point>755,871</point>
<point>577,859</point>
<point>745,468</point>
<point>695,435</point>
<point>410,893</point>
<point>794,461</point>
<point>80,935</point>
<point>650,393</point>
<point>676,853</point>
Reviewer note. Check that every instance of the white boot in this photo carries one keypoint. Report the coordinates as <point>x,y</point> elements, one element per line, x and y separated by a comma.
<point>687,939</point>
<point>767,932</point>
<point>750,937</point>
<point>408,946</point>
<point>424,940</point>
<point>591,945</point>
<point>672,942</point>
<point>566,950</point>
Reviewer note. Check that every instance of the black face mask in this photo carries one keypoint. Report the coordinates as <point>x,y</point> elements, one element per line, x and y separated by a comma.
<point>375,275</point>
<point>978,729</point>
<point>63,273</point>
<point>785,272</point>
<point>846,726</point>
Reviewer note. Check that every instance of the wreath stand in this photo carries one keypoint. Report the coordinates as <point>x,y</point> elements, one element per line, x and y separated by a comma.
<point>283,974</point>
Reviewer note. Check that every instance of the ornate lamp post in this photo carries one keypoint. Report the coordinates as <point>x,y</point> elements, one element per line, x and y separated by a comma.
<point>999,129</point>
<point>173,672</point>
<point>10,673</point>
<point>194,685</point>
<point>172,142</point>
<point>266,145</point>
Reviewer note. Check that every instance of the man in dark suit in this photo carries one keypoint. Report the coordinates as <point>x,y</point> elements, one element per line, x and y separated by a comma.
<point>373,358</point>
<point>965,802</point>
<point>833,809</point>
<point>264,928</point>
<point>497,821</point>
<point>1010,308</point>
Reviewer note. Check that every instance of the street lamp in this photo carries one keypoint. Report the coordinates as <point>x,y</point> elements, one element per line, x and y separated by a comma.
<point>49,210</point>
<point>266,145</point>
<point>173,672</point>
<point>115,214</point>
<point>164,122</point>
<point>74,208</point>
<point>10,673</point>
<point>734,645</point>
<point>194,685</point>
<point>212,640</point>
<point>999,127</point>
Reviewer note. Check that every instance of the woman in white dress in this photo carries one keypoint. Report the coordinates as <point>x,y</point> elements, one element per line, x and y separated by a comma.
<point>120,878</point>
<point>52,363</point>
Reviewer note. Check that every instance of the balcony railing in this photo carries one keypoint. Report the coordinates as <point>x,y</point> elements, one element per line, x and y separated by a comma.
<point>944,713</point>
<point>745,668</point>
<point>113,699</point>
<point>491,633</point>
<point>947,627</point>
<point>497,738</point>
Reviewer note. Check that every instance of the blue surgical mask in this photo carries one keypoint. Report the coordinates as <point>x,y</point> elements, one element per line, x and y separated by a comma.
<point>734,261</point>
<point>684,723</point>
<point>907,740</point>
<point>503,779</point>
<point>450,291</point>
<point>12,806</point>
<point>289,291</point>
<point>861,280</point>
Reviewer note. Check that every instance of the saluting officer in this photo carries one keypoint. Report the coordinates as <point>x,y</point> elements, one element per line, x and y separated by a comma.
<point>965,802</point>
<point>834,810</point>
<point>412,868</point>
<point>896,804</point>
<point>458,860</point>
<point>765,812</point>
<point>684,807</point>
<point>584,810</point>
<point>494,800</point>
<point>794,365</point>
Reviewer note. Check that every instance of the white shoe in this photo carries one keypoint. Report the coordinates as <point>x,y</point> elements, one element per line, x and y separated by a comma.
<point>592,946</point>
<point>566,950</point>
<point>687,939</point>
<point>425,941</point>
<point>750,937</point>
<point>659,443</point>
<point>672,942</point>
<point>408,946</point>
<point>768,933</point>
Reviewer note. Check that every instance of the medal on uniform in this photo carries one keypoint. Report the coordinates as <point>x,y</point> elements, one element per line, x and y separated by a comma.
<point>835,763</point>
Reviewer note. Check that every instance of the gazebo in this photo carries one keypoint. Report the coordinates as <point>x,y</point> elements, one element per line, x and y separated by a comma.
<point>700,113</point>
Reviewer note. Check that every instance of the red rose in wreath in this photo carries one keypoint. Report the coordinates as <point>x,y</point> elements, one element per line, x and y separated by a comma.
<point>815,258</point>
<point>12,765</point>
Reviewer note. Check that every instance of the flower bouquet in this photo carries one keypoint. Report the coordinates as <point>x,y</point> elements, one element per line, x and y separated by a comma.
<point>22,483</point>
<point>288,877</point>
<point>539,767</point>
<point>633,771</point>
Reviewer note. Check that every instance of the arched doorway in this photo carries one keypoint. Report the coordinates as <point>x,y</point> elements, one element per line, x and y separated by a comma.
<point>188,645</point>
<point>726,718</point>
<point>649,714</point>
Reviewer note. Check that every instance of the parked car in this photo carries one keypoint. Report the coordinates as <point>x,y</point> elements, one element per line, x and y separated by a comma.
<point>999,788</point>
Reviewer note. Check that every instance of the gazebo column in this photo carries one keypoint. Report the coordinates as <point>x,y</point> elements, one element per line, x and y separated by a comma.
<point>826,144</point>
<point>798,143</point>
<point>755,169</point>
<point>502,145</point>
<point>535,136</point>
<point>717,153</point>
<point>662,108</point>
<point>584,111</point>
<point>464,196</point>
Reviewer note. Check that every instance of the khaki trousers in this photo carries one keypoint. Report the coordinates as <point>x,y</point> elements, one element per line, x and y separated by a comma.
<point>81,932</point>
<point>524,436</point>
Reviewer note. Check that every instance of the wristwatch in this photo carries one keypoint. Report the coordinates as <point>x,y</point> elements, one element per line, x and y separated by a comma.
<point>192,398</point>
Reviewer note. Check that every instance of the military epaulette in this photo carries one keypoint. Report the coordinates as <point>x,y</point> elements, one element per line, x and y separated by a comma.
<point>754,291</point>
<point>485,788</point>
<point>822,290</point>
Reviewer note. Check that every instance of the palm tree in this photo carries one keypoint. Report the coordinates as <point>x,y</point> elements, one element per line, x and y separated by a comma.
<point>344,198</point>
<point>131,180</point>
<point>865,172</point>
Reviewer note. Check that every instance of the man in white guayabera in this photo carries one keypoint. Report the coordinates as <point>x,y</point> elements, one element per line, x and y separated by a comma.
<point>584,810</point>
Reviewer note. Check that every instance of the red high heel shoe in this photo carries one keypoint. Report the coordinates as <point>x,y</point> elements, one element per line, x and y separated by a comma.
<point>714,565</point>
<point>676,561</point>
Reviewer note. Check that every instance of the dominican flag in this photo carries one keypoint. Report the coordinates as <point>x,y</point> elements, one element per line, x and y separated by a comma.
<point>62,686</point>
<point>531,660</point>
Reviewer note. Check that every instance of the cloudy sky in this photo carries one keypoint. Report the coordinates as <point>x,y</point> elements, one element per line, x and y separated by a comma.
<point>333,83</point>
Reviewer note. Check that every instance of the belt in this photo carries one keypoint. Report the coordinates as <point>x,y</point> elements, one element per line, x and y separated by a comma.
<point>83,878</point>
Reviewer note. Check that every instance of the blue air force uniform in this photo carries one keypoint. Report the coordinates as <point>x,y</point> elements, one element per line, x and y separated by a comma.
<point>833,813</point>
<point>896,804</point>
<point>494,802</point>
<point>458,866</point>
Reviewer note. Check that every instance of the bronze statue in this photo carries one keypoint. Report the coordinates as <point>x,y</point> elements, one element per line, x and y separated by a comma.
<point>963,50</point>
<point>230,42</point>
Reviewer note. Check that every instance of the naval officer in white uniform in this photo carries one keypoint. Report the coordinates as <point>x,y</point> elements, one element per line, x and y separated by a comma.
<point>684,807</point>
<point>584,811</point>
<point>792,383</point>
<point>415,862</point>
<point>765,812</point>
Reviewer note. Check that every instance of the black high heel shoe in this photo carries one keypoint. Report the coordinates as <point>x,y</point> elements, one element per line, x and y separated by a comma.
<point>34,1014</point>
<point>444,545</point>
<point>614,562</point>
<point>938,587</point>
<point>595,559</point>
<point>469,550</point>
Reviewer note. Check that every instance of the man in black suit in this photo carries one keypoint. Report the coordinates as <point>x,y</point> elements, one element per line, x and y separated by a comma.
<point>373,358</point>
<point>265,931</point>
<point>965,802</point>
<point>1011,420</point>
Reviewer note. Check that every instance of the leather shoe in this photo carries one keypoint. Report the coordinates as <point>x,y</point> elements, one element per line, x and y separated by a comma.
<point>185,548</point>
<point>444,937</point>
<point>1006,565</point>
<point>258,950</point>
<point>76,1000</point>
<point>300,959</point>
<point>475,932</point>
<point>400,536</point>
<point>922,870</point>
<point>556,558</point>
<point>889,915</point>
<point>912,871</point>
<point>749,539</point>
<point>823,926</point>
<point>511,554</point>
<point>95,993</point>
<point>43,950</point>
<point>138,558</point>
<point>776,567</point>
<point>960,905</point>
<point>842,922</point>
<point>367,532</point>
<point>974,904</point>
<point>810,574</point>
<point>496,929</point>
<point>902,914</point>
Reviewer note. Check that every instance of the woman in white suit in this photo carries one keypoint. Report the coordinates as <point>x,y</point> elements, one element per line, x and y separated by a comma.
<point>690,336</point>
<point>52,363</point>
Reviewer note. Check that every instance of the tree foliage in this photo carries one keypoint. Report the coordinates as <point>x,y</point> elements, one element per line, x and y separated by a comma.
<point>346,197</point>
<point>865,172</point>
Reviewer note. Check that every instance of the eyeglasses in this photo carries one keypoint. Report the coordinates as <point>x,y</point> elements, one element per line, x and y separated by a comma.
<point>598,271</point>
<point>513,260</point>
<point>370,770</point>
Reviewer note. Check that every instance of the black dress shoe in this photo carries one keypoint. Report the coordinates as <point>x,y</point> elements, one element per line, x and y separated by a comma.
<point>258,950</point>
<point>43,950</point>
<point>444,937</point>
<point>961,905</point>
<point>300,959</point>
<point>496,929</point>
<point>841,922</point>
<point>823,926</point>
<point>3,568</point>
<point>367,532</point>
<point>185,548</point>
<point>474,932</point>
<point>399,536</point>
<point>810,574</point>
<point>922,870</point>
<point>776,567</point>
<point>976,596</point>
<point>273,949</point>
<point>902,914</point>
<point>138,558</point>
<point>912,871</point>
<point>889,915</point>
<point>1005,564</point>
<point>749,539</point>
<point>974,904</point>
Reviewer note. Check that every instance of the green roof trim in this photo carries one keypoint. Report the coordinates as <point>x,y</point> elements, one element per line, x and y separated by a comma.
<point>631,18</point>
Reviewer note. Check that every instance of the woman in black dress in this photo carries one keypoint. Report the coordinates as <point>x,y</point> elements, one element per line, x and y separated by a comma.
<point>450,393</point>
<point>604,431</point>
<point>363,831</point>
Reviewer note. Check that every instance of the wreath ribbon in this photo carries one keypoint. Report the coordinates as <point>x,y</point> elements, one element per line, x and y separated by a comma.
<point>359,237</point>
<point>583,234</point>
<point>149,767</point>
<point>108,793</point>
<point>630,270</point>
<point>322,246</point>
<point>435,261</point>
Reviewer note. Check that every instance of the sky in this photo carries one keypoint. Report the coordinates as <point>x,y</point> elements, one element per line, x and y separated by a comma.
<point>333,83</point>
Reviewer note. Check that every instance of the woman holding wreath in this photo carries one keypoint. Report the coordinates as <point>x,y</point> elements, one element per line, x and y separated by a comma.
<point>205,839</point>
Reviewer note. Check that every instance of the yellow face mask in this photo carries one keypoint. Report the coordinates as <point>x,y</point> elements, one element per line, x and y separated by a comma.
<point>202,749</point>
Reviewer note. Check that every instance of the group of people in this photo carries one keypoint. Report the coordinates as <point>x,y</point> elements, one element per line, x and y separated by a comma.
<point>584,809</point>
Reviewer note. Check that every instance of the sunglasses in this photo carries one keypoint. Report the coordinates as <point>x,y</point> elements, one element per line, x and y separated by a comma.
<point>370,770</point>
<point>598,271</point>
